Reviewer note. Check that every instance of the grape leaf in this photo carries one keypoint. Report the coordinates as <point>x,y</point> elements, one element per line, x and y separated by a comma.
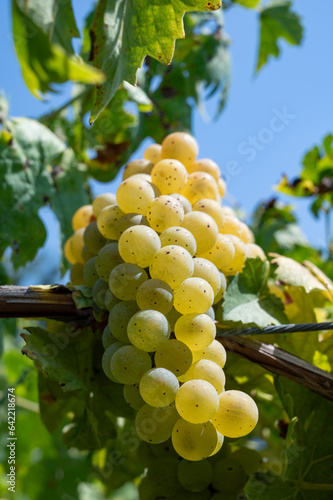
<point>250,4</point>
<point>35,169</point>
<point>277,21</point>
<point>307,465</point>
<point>247,300</point>
<point>123,33</point>
<point>42,61</point>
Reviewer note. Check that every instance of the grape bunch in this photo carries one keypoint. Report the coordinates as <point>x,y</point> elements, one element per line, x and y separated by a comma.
<point>157,255</point>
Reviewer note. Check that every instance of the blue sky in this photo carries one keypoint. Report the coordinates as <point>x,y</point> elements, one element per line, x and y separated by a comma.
<point>250,142</point>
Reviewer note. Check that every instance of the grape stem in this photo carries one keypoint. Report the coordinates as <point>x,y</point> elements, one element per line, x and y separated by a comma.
<point>57,303</point>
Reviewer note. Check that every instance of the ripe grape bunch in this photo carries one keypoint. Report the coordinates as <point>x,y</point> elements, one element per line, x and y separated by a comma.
<point>157,256</point>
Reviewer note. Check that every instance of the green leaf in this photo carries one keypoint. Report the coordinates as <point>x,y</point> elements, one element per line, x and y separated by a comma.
<point>29,182</point>
<point>277,21</point>
<point>123,33</point>
<point>250,4</point>
<point>43,62</point>
<point>247,300</point>
<point>307,472</point>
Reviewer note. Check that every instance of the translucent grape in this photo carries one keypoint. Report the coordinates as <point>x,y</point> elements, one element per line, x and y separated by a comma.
<point>132,396</point>
<point>106,359</point>
<point>99,291</point>
<point>194,441</point>
<point>206,270</point>
<point>107,259</point>
<point>134,195</point>
<point>107,219</point>
<point>172,264</point>
<point>89,272</point>
<point>229,476</point>
<point>92,238</point>
<point>183,201</point>
<point>237,414</point>
<point>247,234</point>
<point>146,177</point>
<point>148,329</point>
<point>220,441</point>
<point>129,220</point>
<point>68,251</point>
<point>222,187</point>
<point>119,318</point>
<point>204,229</point>
<point>199,186</point>
<point>158,387</point>
<point>208,370</point>
<point>228,211</point>
<point>197,331</point>
<point>107,337</point>
<point>180,146</point>
<point>110,300</point>
<point>82,217</point>
<point>129,364</point>
<point>174,356</point>
<point>232,225</point>
<point>77,276</point>
<point>212,208</point>
<point>257,251</point>
<point>221,253</point>
<point>172,317</point>
<point>125,280</point>
<point>193,295</point>
<point>101,201</point>
<point>137,167</point>
<point>76,244</point>
<point>154,425</point>
<point>213,352</point>
<point>205,165</point>
<point>180,236</point>
<point>138,245</point>
<point>163,212</point>
<point>195,476</point>
<point>197,401</point>
<point>237,263</point>
<point>153,153</point>
<point>223,288</point>
<point>155,294</point>
<point>170,176</point>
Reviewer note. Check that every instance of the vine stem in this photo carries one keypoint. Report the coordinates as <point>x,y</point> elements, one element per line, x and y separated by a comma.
<point>57,303</point>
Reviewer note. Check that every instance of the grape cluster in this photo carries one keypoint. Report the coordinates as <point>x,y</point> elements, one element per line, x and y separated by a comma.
<point>221,477</point>
<point>157,256</point>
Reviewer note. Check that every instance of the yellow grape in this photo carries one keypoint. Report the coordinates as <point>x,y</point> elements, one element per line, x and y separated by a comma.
<point>82,217</point>
<point>221,253</point>
<point>222,187</point>
<point>155,294</point>
<point>158,387</point>
<point>170,176</point>
<point>137,167</point>
<point>75,246</point>
<point>154,425</point>
<point>213,352</point>
<point>163,212</point>
<point>107,219</point>
<point>194,441</point>
<point>205,269</point>
<point>107,259</point>
<point>232,225</point>
<point>197,331</point>
<point>220,441</point>
<point>197,401</point>
<point>134,195</point>
<point>125,280</point>
<point>237,414</point>
<point>204,369</point>
<point>206,165</point>
<point>180,146</point>
<point>128,364</point>
<point>183,201</point>
<point>180,236</point>
<point>174,356</point>
<point>68,251</point>
<point>212,208</point>
<point>153,153</point>
<point>138,245</point>
<point>204,229</point>
<point>193,295</point>
<point>223,288</point>
<point>237,263</point>
<point>200,185</point>
<point>147,330</point>
<point>92,238</point>
<point>172,264</point>
<point>127,221</point>
<point>103,200</point>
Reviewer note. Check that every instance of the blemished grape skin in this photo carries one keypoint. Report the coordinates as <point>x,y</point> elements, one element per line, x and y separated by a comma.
<point>205,165</point>
<point>158,387</point>
<point>221,253</point>
<point>153,153</point>
<point>194,441</point>
<point>155,294</point>
<point>183,201</point>
<point>213,352</point>
<point>107,259</point>
<point>180,146</point>
<point>238,262</point>
<point>172,264</point>
<point>92,237</point>
<point>82,217</point>
<point>129,364</point>
<point>206,270</point>
<point>148,329</point>
<point>237,415</point>
<point>197,331</point>
<point>107,219</point>
<point>212,208</point>
<point>138,245</point>
<point>170,176</point>
<point>101,201</point>
<point>134,195</point>
<point>119,318</point>
<point>210,371</point>
<point>195,476</point>
<point>163,212</point>
<point>193,295</point>
<point>129,220</point>
<point>200,185</point>
<point>155,425</point>
<point>197,401</point>
<point>174,356</point>
<point>137,167</point>
<point>204,229</point>
<point>125,280</point>
<point>180,236</point>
